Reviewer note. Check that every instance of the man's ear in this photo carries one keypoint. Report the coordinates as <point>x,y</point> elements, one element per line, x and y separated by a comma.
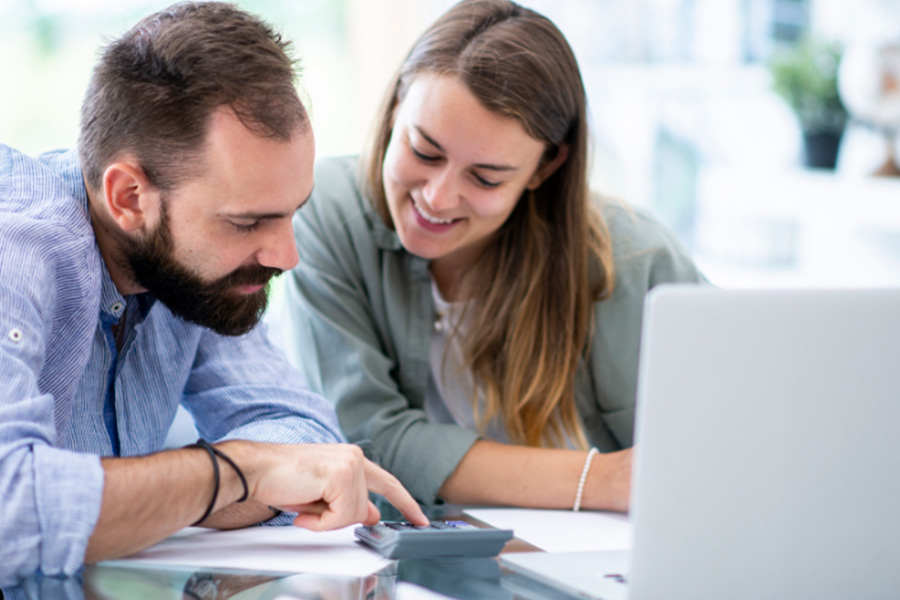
<point>548,168</point>
<point>128,195</point>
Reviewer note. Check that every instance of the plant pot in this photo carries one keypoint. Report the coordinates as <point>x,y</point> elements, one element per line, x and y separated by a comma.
<point>820,149</point>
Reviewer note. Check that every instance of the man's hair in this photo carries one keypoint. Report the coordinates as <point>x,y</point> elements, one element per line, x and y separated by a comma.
<point>155,88</point>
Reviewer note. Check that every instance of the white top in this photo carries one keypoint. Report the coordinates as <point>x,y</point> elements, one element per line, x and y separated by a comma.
<point>448,397</point>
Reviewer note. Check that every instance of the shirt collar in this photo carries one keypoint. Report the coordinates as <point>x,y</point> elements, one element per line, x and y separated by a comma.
<point>112,303</point>
<point>384,237</point>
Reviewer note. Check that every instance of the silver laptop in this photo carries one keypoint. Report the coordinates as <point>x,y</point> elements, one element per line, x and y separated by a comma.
<point>767,460</point>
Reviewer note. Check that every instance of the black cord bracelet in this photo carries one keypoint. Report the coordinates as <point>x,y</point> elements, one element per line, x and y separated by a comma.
<point>212,456</point>
<point>234,466</point>
<point>213,453</point>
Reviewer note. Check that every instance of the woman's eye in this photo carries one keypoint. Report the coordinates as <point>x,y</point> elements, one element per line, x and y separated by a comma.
<point>423,157</point>
<point>485,182</point>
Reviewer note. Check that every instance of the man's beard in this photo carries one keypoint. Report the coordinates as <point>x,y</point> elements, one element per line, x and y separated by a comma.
<point>216,305</point>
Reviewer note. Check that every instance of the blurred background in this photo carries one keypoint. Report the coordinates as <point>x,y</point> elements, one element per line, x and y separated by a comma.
<point>724,117</point>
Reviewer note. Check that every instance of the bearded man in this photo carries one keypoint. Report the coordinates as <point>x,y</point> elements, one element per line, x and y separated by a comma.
<point>133,274</point>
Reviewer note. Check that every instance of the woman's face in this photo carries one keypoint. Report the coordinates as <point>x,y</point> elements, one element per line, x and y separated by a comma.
<point>453,172</point>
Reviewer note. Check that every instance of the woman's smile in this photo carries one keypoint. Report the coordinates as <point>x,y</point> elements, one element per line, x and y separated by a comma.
<point>430,222</point>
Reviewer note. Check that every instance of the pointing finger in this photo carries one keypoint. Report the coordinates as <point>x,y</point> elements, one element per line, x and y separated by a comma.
<point>381,482</point>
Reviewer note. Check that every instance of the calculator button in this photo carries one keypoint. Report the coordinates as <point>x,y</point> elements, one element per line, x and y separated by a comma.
<point>457,524</point>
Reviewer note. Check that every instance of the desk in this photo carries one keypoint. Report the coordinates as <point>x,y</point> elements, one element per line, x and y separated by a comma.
<point>408,579</point>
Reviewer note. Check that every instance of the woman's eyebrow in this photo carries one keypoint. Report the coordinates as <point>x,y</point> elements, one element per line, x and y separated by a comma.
<point>428,138</point>
<point>497,167</point>
<point>486,166</point>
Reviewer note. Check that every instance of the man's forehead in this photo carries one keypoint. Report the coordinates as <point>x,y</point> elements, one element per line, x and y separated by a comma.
<point>242,173</point>
<point>232,144</point>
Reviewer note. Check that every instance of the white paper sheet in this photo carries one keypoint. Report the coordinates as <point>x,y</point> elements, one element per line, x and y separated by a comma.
<point>561,530</point>
<point>411,591</point>
<point>270,549</point>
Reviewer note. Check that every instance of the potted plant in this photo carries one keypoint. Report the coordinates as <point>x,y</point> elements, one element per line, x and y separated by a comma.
<point>806,77</point>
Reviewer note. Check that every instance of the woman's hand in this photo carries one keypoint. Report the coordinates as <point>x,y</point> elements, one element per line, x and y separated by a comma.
<point>608,485</point>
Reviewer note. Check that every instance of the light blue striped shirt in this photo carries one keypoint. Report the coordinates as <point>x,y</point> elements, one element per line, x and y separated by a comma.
<point>56,361</point>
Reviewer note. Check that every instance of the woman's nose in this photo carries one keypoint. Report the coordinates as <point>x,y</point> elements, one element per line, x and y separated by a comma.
<point>440,192</point>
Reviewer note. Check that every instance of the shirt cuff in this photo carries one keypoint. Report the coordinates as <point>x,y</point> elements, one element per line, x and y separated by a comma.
<point>68,495</point>
<point>279,520</point>
<point>291,430</point>
<point>427,455</point>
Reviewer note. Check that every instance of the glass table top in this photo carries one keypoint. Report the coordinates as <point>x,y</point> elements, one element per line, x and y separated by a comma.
<point>405,579</point>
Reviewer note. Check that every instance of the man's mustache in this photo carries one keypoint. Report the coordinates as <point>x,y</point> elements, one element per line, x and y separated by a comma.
<point>250,275</point>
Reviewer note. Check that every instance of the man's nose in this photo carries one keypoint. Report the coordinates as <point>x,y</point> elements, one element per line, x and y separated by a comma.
<point>280,250</point>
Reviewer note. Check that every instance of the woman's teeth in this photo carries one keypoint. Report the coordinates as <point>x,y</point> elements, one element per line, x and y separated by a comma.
<point>430,218</point>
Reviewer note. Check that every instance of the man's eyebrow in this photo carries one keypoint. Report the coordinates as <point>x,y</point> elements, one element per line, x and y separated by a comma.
<point>258,216</point>
<point>486,166</point>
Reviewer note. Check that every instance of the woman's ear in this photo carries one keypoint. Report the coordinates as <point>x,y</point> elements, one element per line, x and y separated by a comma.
<point>127,194</point>
<point>548,168</point>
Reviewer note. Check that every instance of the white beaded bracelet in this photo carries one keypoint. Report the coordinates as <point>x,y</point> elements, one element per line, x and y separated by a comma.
<point>583,479</point>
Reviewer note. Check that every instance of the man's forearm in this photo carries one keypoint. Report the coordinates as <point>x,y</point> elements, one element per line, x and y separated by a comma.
<point>240,515</point>
<point>146,499</point>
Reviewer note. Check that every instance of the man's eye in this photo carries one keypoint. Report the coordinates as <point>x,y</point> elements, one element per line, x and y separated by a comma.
<point>246,227</point>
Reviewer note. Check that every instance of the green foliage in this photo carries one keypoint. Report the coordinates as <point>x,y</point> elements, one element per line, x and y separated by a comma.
<point>806,77</point>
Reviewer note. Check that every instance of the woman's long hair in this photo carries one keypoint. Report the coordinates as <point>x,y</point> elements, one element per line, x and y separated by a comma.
<point>532,291</point>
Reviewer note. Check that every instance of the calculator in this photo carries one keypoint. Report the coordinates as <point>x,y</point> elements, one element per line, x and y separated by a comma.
<point>397,539</point>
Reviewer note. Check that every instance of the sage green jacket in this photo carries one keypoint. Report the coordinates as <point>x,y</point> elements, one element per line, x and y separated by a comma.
<point>359,317</point>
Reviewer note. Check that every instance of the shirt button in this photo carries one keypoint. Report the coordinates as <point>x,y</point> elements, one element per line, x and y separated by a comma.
<point>15,334</point>
<point>439,326</point>
<point>116,308</point>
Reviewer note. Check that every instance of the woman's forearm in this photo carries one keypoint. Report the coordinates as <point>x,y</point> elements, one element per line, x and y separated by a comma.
<point>492,473</point>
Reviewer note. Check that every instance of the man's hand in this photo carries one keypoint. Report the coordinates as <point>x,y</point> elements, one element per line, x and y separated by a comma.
<point>147,498</point>
<point>327,484</point>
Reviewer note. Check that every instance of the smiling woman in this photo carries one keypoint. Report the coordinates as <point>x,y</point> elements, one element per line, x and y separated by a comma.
<point>472,314</point>
<point>453,174</point>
